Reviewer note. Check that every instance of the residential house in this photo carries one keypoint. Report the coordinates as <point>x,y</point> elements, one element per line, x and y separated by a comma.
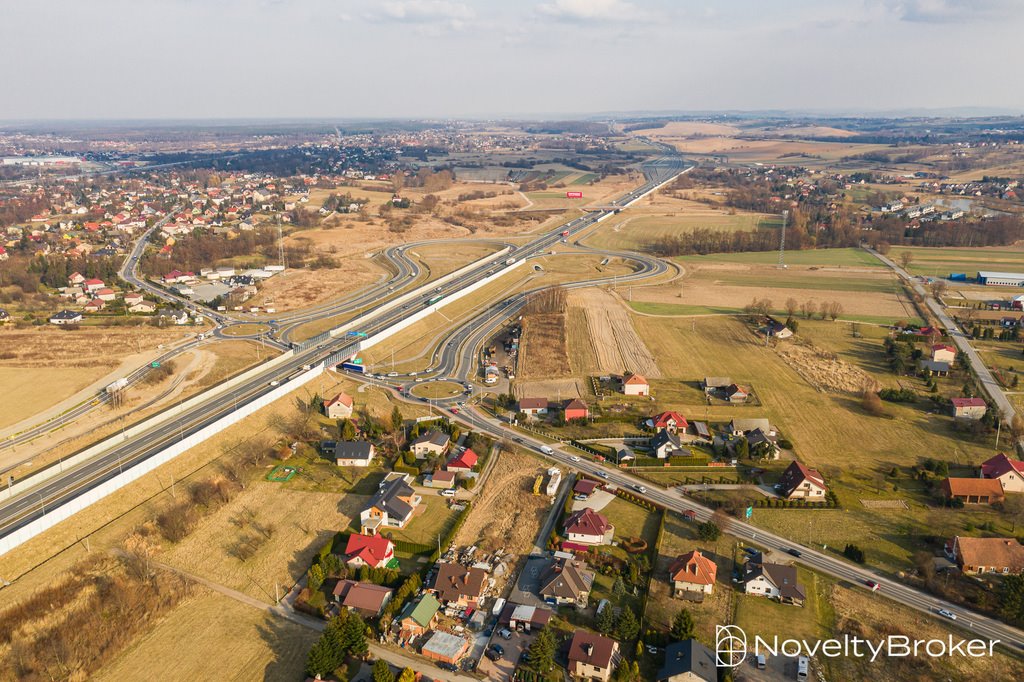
<point>418,616</point>
<point>800,482</point>
<point>105,294</point>
<point>664,444</point>
<point>533,407</point>
<point>366,599</point>
<point>933,367</point>
<point>441,479</point>
<point>566,581</point>
<point>445,647</point>
<point>576,409</point>
<point>741,427</point>
<point>692,572</point>
<point>4,315</point>
<point>688,661</point>
<point>969,408</point>
<point>943,352</point>
<point>433,443</point>
<point>464,462</point>
<point>94,306</point>
<point>392,505</point>
<point>93,285</point>
<point>715,384</point>
<point>973,490</point>
<point>375,551</point>
<point>76,279</point>
<point>757,438</point>
<point>132,298</point>
<point>775,581</point>
<point>66,317</point>
<point>776,330</point>
<point>458,584</point>
<point>339,407</point>
<point>634,384</point>
<point>592,657</point>
<point>588,527</point>
<point>1009,472</point>
<point>986,555</point>
<point>523,617</point>
<point>142,307</point>
<point>673,422</point>
<point>350,453</point>
<point>737,394</point>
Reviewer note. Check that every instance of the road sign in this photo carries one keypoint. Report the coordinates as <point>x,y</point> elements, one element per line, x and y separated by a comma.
<point>750,511</point>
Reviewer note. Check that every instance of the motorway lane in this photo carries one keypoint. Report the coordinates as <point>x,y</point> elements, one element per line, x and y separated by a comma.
<point>69,484</point>
<point>988,382</point>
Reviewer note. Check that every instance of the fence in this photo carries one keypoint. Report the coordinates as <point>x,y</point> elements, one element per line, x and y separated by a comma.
<point>67,509</point>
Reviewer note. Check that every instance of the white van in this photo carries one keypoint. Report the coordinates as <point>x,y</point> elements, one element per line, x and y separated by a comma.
<point>546,450</point>
<point>803,666</point>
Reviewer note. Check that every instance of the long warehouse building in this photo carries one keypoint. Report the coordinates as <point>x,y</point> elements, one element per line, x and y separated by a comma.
<point>1001,279</point>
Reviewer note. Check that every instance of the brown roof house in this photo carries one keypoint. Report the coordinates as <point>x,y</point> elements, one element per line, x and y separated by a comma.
<point>692,573</point>
<point>567,581</point>
<point>634,384</point>
<point>592,656</point>
<point>339,407</point>
<point>366,599</point>
<point>588,527</point>
<point>987,555</point>
<point>800,482</point>
<point>431,443</point>
<point>458,584</point>
<point>973,490</point>
<point>775,581</point>
<point>533,406</point>
<point>969,408</point>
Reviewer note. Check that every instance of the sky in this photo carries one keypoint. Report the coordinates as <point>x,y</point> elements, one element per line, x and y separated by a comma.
<point>131,59</point>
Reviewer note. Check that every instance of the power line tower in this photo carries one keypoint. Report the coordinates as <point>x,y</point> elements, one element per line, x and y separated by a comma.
<point>280,246</point>
<point>782,241</point>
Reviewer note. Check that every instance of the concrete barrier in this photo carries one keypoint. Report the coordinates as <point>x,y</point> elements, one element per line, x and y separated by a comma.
<point>64,511</point>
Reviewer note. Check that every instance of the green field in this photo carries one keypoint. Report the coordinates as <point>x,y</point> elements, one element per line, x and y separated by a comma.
<point>940,262</point>
<point>585,179</point>
<point>678,309</point>
<point>802,280</point>
<point>844,257</point>
<point>639,232</point>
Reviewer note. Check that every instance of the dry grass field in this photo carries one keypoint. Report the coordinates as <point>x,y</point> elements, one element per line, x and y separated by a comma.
<point>297,523</point>
<point>936,262</point>
<point>617,346</point>
<point>506,514</point>
<point>864,293</point>
<point>45,365</point>
<point>543,350</point>
<point>213,637</point>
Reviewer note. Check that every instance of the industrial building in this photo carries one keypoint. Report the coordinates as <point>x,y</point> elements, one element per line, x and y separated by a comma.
<point>1001,279</point>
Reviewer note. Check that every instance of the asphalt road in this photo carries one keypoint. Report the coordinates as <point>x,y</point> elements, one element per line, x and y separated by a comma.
<point>988,382</point>
<point>67,485</point>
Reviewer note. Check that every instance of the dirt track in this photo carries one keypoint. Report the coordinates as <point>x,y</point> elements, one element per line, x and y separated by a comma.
<point>823,369</point>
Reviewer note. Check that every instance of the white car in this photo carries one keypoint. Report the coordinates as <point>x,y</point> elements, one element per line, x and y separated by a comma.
<point>602,474</point>
<point>947,614</point>
<point>448,492</point>
<point>274,382</point>
<point>574,458</point>
<point>640,488</point>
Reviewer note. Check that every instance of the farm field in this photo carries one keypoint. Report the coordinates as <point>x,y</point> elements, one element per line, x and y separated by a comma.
<point>543,350</point>
<point>820,257</point>
<point>211,636</point>
<point>593,194</point>
<point>940,262</point>
<point>720,286</point>
<point>610,334</point>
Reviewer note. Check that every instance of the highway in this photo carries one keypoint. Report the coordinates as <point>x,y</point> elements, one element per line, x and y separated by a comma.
<point>989,385</point>
<point>61,488</point>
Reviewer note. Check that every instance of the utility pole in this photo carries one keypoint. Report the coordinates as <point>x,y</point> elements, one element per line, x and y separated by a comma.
<point>782,241</point>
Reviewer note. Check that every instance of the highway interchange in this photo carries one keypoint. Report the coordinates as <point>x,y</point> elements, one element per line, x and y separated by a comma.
<point>456,358</point>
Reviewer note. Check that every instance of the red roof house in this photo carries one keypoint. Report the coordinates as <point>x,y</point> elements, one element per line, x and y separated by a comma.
<point>672,422</point>
<point>576,409</point>
<point>374,551</point>
<point>464,462</point>
<point>588,527</point>
<point>692,572</point>
<point>1009,472</point>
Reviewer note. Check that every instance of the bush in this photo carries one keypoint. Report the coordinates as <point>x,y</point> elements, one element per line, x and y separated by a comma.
<point>898,395</point>
<point>854,553</point>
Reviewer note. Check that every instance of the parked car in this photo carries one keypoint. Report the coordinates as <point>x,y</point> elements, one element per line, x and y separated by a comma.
<point>448,492</point>
<point>505,633</point>
<point>497,648</point>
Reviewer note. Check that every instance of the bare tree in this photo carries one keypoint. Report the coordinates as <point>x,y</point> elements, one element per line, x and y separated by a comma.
<point>938,288</point>
<point>791,306</point>
<point>835,309</point>
<point>906,258</point>
<point>808,308</point>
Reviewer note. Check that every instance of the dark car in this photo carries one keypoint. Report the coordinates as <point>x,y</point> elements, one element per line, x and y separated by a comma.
<point>493,655</point>
<point>497,648</point>
<point>794,552</point>
<point>448,666</point>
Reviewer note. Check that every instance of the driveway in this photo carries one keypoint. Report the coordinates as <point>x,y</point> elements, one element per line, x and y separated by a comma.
<point>503,668</point>
<point>766,490</point>
<point>525,590</point>
<point>597,501</point>
<point>779,669</point>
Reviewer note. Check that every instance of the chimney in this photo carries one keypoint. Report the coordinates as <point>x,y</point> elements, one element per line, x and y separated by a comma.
<point>588,649</point>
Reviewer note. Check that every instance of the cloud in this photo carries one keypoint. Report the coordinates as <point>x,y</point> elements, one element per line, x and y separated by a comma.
<point>430,14</point>
<point>948,11</point>
<point>590,10</point>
